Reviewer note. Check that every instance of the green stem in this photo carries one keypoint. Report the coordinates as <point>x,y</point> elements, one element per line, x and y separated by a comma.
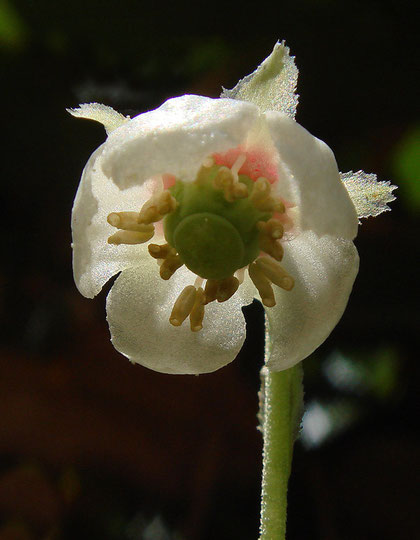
<point>281,412</point>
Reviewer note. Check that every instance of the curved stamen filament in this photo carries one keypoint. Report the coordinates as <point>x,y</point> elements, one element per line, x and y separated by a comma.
<point>275,273</point>
<point>263,200</point>
<point>157,207</point>
<point>128,221</point>
<point>197,312</point>
<point>220,289</point>
<point>271,247</point>
<point>169,266</point>
<point>273,228</point>
<point>262,284</point>
<point>228,181</point>
<point>183,305</point>
<point>161,252</point>
<point>170,260</point>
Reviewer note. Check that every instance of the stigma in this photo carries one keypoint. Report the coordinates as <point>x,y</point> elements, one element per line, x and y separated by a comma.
<point>218,226</point>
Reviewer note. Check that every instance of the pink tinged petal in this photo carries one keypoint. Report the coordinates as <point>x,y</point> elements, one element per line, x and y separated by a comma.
<point>94,260</point>
<point>139,305</point>
<point>176,138</point>
<point>257,163</point>
<point>310,179</point>
<point>324,270</point>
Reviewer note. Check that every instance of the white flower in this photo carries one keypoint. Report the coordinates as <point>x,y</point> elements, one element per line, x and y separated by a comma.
<point>216,149</point>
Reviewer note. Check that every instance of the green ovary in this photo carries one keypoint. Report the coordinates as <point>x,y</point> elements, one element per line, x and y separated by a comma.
<point>213,237</point>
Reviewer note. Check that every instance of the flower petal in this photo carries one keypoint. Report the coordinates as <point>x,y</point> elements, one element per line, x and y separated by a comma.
<point>94,260</point>
<point>176,138</point>
<point>310,179</point>
<point>139,305</point>
<point>324,270</point>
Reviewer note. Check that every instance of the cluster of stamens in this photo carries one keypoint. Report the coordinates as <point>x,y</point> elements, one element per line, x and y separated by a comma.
<point>264,271</point>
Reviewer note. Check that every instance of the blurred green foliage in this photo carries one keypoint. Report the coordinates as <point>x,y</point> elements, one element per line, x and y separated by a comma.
<point>406,164</point>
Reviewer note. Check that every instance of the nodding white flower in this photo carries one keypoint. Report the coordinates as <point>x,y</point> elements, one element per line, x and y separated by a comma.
<point>202,205</point>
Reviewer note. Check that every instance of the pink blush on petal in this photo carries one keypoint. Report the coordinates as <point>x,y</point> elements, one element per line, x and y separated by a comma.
<point>258,163</point>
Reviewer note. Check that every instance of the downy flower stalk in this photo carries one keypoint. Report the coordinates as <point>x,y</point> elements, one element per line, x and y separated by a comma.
<point>203,205</point>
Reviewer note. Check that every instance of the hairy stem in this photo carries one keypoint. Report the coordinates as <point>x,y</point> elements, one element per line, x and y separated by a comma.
<point>281,412</point>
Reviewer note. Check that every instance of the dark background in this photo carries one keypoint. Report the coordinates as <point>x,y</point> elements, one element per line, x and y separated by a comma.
<point>93,447</point>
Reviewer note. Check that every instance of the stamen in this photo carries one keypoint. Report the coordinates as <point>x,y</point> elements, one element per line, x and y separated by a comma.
<point>183,305</point>
<point>275,273</point>
<point>197,312</point>
<point>271,247</point>
<point>229,183</point>
<point>272,227</point>
<point>263,200</point>
<point>210,290</point>
<point>161,252</point>
<point>169,266</point>
<point>128,222</point>
<point>157,207</point>
<point>208,162</point>
<point>227,288</point>
<point>261,190</point>
<point>130,237</point>
<point>262,284</point>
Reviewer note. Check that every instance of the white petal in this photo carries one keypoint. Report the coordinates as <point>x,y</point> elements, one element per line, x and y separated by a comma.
<point>176,138</point>
<point>272,86</point>
<point>310,179</point>
<point>324,270</point>
<point>94,260</point>
<point>139,305</point>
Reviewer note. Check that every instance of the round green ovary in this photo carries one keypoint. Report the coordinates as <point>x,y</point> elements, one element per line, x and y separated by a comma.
<point>209,245</point>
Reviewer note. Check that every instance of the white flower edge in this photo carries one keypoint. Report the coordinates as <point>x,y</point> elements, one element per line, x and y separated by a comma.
<point>94,260</point>
<point>179,135</point>
<point>324,269</point>
<point>138,309</point>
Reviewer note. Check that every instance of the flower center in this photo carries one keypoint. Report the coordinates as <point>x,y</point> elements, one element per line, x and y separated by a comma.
<point>216,226</point>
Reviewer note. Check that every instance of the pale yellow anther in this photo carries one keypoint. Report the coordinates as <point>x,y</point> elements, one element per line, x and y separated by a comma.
<point>228,182</point>
<point>128,222</point>
<point>157,207</point>
<point>210,290</point>
<point>227,288</point>
<point>240,190</point>
<point>161,252</point>
<point>261,189</point>
<point>223,178</point>
<point>169,266</point>
<point>166,203</point>
<point>197,312</point>
<point>272,228</point>
<point>271,246</point>
<point>130,237</point>
<point>262,199</point>
<point>208,162</point>
<point>275,273</point>
<point>183,305</point>
<point>262,284</point>
<point>270,204</point>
